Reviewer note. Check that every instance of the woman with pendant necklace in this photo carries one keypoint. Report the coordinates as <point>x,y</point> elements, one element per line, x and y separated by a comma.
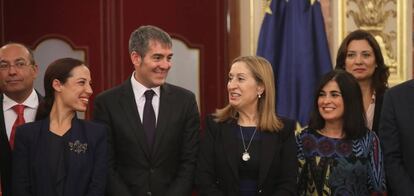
<point>337,153</point>
<point>246,149</point>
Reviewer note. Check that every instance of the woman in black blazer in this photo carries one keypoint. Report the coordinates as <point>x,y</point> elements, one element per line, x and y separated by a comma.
<point>246,149</point>
<point>59,154</point>
<point>360,55</point>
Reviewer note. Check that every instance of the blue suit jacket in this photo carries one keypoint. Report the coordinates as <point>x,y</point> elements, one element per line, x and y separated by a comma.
<point>85,171</point>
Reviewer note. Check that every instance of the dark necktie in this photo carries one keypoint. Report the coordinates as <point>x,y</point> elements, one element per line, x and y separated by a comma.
<point>149,117</point>
<point>19,109</point>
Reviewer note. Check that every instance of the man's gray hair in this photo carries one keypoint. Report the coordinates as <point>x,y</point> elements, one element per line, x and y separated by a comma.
<point>140,38</point>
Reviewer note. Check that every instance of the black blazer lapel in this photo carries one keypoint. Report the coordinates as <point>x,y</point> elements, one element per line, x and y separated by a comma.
<point>268,149</point>
<point>128,103</point>
<point>231,148</point>
<point>377,112</point>
<point>42,153</point>
<point>75,159</point>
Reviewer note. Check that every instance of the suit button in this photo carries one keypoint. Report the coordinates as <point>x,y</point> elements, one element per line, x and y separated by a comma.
<point>149,193</point>
<point>151,170</point>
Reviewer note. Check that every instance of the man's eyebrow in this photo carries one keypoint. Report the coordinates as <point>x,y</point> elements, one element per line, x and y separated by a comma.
<point>20,59</point>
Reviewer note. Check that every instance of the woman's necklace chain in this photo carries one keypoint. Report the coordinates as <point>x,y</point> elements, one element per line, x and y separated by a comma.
<point>245,154</point>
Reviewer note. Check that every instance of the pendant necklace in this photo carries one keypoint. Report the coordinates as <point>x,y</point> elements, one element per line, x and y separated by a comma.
<point>245,154</point>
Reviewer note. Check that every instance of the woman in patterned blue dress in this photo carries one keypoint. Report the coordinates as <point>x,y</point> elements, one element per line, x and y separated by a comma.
<point>337,153</point>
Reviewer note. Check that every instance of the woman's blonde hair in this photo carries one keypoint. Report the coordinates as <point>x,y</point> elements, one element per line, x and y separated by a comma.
<point>263,73</point>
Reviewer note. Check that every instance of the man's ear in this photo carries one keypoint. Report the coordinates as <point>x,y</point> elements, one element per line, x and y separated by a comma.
<point>136,59</point>
<point>57,86</point>
<point>35,70</point>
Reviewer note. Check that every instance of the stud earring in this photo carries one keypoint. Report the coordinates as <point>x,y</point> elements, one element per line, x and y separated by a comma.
<point>259,95</point>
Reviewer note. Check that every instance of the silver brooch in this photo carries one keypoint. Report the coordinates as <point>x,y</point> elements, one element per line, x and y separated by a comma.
<point>78,147</point>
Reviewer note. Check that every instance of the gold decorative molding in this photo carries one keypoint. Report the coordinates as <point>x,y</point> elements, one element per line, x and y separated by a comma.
<point>387,20</point>
<point>266,6</point>
<point>371,14</point>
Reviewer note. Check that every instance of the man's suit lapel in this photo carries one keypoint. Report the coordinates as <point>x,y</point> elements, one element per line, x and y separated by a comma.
<point>410,94</point>
<point>128,104</point>
<point>164,114</point>
<point>5,151</point>
<point>39,97</point>
<point>231,146</point>
<point>3,133</point>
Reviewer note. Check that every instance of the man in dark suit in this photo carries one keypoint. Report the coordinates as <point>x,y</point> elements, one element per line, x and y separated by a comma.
<point>18,71</point>
<point>396,133</point>
<point>153,126</point>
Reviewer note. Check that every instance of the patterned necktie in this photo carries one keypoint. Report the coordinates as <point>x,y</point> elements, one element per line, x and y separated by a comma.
<point>19,109</point>
<point>149,117</point>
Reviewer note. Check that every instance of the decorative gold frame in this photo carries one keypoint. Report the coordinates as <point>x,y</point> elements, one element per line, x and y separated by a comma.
<point>374,15</point>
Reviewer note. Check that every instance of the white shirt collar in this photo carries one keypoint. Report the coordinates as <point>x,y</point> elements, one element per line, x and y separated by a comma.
<point>140,89</point>
<point>32,101</point>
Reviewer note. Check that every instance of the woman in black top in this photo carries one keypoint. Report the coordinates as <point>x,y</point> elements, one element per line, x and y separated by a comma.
<point>246,149</point>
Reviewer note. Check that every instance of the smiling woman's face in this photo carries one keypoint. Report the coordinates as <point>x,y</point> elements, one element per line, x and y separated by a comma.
<point>75,92</point>
<point>331,103</point>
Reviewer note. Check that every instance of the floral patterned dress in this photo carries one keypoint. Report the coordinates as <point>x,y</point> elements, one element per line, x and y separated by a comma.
<point>331,166</point>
